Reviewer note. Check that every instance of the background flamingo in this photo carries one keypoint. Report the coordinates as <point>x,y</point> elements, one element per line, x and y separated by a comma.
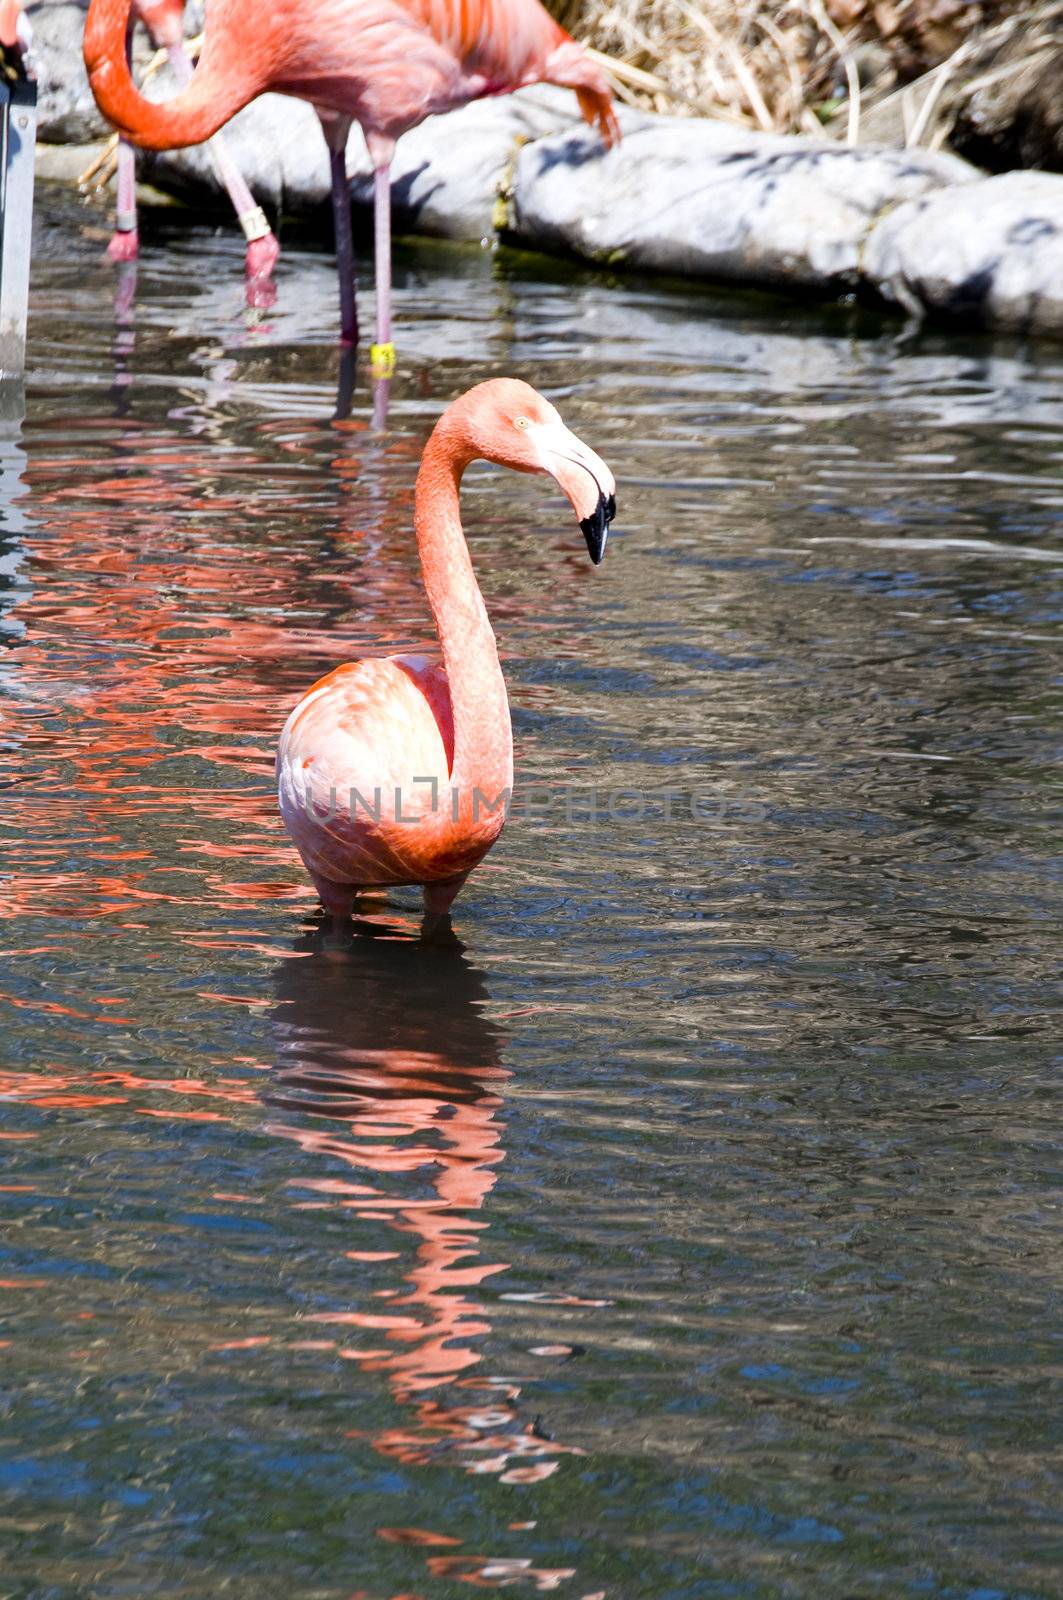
<point>386,64</point>
<point>164,20</point>
<point>398,770</point>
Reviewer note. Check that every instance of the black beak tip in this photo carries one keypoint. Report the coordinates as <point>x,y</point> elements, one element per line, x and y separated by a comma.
<point>595,528</point>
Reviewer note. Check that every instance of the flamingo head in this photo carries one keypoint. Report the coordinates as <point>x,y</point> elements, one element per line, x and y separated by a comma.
<point>508,421</point>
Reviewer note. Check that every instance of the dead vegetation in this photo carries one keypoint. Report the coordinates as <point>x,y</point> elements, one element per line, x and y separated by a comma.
<point>985,78</point>
<point>763,64</point>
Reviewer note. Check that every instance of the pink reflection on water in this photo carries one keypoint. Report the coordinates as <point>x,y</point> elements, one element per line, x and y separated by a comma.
<point>167,627</point>
<point>387,1064</point>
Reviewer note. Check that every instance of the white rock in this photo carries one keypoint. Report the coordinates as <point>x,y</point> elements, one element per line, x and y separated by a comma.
<point>68,113</point>
<point>708,200</point>
<point>989,252</point>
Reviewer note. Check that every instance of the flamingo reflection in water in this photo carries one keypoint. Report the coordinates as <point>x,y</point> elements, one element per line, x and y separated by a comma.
<point>385,1055</point>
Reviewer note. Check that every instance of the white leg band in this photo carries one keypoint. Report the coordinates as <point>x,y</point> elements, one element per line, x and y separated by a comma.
<point>125,221</point>
<point>254,224</point>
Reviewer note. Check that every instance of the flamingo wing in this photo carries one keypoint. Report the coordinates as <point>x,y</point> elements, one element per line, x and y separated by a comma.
<point>362,771</point>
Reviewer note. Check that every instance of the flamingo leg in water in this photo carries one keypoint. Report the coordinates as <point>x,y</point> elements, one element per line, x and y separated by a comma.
<point>125,242</point>
<point>381,399</point>
<point>440,896</point>
<point>262,246</point>
<point>436,926</point>
<point>338,899</point>
<point>345,386</point>
<point>382,353</point>
<point>341,214</point>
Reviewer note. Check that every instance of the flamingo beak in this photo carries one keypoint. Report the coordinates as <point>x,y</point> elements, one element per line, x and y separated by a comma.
<point>584,478</point>
<point>595,528</point>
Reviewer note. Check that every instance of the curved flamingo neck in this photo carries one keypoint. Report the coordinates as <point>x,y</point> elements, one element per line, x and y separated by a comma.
<point>483,740</point>
<point>218,89</point>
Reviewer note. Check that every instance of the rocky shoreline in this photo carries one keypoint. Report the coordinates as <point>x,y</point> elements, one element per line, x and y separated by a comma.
<point>924,232</point>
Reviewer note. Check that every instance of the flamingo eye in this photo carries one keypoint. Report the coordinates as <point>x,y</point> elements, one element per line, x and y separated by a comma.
<point>521,422</point>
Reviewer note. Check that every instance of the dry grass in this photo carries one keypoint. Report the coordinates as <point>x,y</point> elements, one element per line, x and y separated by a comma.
<point>764,64</point>
<point>907,71</point>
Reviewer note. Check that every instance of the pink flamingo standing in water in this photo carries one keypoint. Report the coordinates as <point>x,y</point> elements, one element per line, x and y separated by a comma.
<point>399,770</point>
<point>385,64</point>
<point>164,20</point>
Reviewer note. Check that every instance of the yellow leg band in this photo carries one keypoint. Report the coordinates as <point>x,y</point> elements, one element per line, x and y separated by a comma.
<point>382,360</point>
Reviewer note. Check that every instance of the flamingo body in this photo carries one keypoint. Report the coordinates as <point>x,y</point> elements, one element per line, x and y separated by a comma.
<point>399,770</point>
<point>391,64</point>
<point>364,779</point>
<point>386,64</point>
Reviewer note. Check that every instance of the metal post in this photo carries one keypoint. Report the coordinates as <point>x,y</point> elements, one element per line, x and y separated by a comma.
<point>18,119</point>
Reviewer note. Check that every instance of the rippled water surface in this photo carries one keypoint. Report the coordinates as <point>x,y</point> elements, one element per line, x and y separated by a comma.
<point>689,1228</point>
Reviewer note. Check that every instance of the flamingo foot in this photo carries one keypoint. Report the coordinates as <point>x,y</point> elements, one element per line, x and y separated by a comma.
<point>260,294</point>
<point>262,256</point>
<point>124,245</point>
<point>439,930</point>
<point>337,899</point>
<point>439,897</point>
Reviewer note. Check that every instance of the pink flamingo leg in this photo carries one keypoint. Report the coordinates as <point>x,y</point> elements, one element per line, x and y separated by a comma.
<point>338,899</point>
<point>382,355</point>
<point>440,896</point>
<point>262,246</point>
<point>381,399</point>
<point>341,213</point>
<point>126,240</point>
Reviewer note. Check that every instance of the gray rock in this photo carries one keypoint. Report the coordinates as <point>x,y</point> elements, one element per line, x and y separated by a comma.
<point>68,112</point>
<point>64,163</point>
<point>989,252</point>
<point>707,200</point>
